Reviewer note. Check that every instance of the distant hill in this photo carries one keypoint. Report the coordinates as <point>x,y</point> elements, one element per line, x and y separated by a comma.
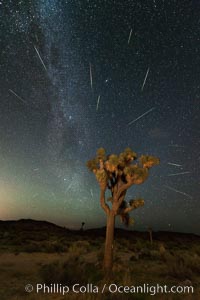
<point>29,226</point>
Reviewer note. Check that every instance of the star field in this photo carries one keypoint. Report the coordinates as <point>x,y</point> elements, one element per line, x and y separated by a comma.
<point>79,75</point>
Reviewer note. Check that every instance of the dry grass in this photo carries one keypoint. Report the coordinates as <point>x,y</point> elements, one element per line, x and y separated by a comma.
<point>71,261</point>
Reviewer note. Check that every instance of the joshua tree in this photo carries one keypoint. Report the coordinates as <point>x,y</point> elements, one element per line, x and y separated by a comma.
<point>150,235</point>
<point>82,224</point>
<point>118,173</point>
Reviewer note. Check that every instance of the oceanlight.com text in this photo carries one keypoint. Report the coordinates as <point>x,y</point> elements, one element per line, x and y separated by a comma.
<point>112,288</point>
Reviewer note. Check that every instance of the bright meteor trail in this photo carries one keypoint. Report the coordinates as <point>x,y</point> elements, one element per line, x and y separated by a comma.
<point>145,79</point>
<point>77,76</point>
<point>177,191</point>
<point>17,96</point>
<point>147,112</point>
<point>173,164</point>
<point>175,174</point>
<point>130,34</point>
<point>91,83</point>
<point>98,102</point>
<point>40,58</point>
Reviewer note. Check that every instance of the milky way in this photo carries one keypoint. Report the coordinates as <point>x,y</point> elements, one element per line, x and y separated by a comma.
<point>95,74</point>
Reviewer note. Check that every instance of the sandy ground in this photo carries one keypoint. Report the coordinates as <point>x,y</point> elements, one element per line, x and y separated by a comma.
<point>16,271</point>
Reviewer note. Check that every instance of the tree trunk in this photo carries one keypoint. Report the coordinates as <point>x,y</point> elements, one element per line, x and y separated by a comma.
<point>151,239</point>
<point>108,255</point>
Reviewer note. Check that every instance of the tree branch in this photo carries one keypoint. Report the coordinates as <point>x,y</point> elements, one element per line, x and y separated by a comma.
<point>135,204</point>
<point>121,199</point>
<point>105,207</point>
<point>118,202</point>
<point>123,188</point>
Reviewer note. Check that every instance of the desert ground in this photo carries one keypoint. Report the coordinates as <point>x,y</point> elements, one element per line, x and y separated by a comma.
<point>37,252</point>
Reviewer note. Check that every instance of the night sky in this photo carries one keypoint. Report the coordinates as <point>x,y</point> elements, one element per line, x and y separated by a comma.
<point>82,74</point>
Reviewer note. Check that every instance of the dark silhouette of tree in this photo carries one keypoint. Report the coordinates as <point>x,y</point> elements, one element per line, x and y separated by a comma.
<point>118,173</point>
<point>150,235</point>
<point>82,224</point>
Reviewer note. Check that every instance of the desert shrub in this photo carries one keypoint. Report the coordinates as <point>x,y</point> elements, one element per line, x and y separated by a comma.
<point>83,244</point>
<point>118,271</point>
<point>138,245</point>
<point>117,258</point>
<point>92,274</point>
<point>178,268</point>
<point>163,252</point>
<point>155,255</point>
<point>147,244</point>
<point>196,249</point>
<point>193,262</point>
<point>56,273</point>
<point>30,248</point>
<point>36,236</point>
<point>121,246</point>
<point>64,242</point>
<point>58,247</point>
<point>144,253</point>
<point>18,241</point>
<point>50,273</point>
<point>182,265</point>
<point>124,244</point>
<point>53,247</point>
<point>95,244</point>
<point>100,254</point>
<point>127,279</point>
<point>153,246</point>
<point>70,272</point>
<point>134,257</point>
<point>78,248</point>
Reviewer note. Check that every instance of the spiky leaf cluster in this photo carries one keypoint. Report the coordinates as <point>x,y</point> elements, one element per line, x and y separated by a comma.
<point>101,154</point>
<point>126,157</point>
<point>113,159</point>
<point>136,203</point>
<point>130,154</point>
<point>101,176</point>
<point>111,164</point>
<point>130,170</point>
<point>135,174</point>
<point>121,165</point>
<point>92,164</point>
<point>149,161</point>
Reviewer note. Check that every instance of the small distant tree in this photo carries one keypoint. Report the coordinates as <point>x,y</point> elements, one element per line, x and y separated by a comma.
<point>150,235</point>
<point>82,225</point>
<point>118,173</point>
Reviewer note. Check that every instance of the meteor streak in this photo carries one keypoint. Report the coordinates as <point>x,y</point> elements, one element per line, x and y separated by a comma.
<point>17,96</point>
<point>177,191</point>
<point>130,34</point>
<point>40,58</point>
<point>141,116</point>
<point>145,79</point>
<point>69,186</point>
<point>98,102</point>
<point>91,192</point>
<point>173,164</point>
<point>175,174</point>
<point>91,83</point>
<point>176,146</point>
